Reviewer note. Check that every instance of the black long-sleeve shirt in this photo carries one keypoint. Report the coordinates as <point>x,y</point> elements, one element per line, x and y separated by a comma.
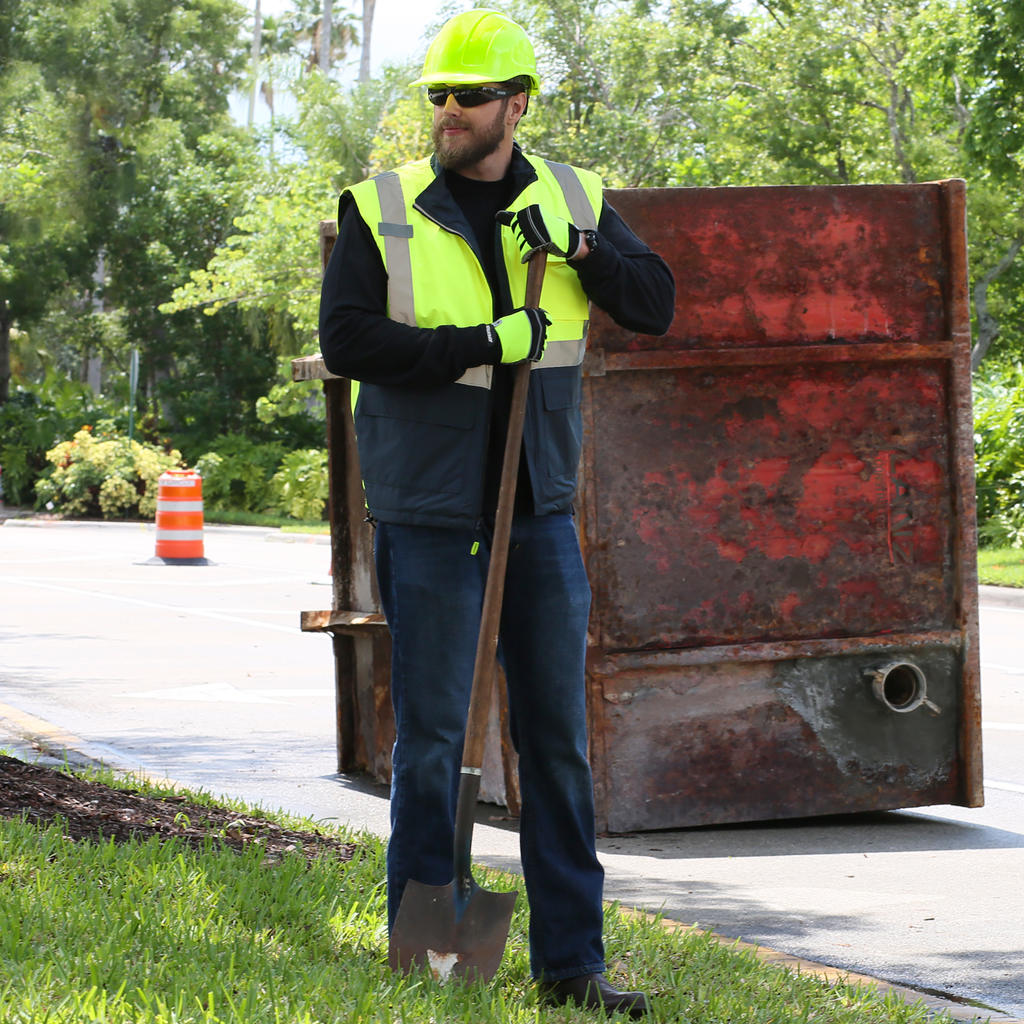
<point>620,275</point>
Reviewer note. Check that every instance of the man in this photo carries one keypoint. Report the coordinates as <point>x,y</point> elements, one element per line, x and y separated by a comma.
<point>422,305</point>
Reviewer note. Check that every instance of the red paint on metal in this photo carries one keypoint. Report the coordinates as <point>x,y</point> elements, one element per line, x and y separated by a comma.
<point>785,265</point>
<point>775,481</point>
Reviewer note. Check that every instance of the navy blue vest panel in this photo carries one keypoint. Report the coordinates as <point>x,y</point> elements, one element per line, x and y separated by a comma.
<point>423,453</point>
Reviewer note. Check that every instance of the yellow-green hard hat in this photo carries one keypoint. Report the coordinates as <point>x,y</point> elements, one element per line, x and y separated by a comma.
<point>479,46</point>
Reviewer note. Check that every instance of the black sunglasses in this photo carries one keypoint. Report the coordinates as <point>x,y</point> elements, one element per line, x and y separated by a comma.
<point>468,95</point>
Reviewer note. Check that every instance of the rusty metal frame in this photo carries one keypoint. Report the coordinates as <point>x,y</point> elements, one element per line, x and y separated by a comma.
<point>954,207</point>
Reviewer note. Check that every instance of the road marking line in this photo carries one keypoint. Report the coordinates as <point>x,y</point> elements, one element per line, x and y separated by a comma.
<point>231,693</point>
<point>1011,670</point>
<point>297,691</point>
<point>1005,726</point>
<point>209,692</point>
<point>1007,787</point>
<point>52,558</point>
<point>102,581</point>
<point>176,609</point>
<point>250,611</point>
<point>999,608</point>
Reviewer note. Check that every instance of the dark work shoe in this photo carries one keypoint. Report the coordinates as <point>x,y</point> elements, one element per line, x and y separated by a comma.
<point>593,992</point>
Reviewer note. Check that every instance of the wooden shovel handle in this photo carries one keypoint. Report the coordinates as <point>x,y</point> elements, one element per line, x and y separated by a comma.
<point>487,644</point>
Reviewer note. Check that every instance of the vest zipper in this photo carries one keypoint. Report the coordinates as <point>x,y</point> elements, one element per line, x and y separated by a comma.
<point>490,397</point>
<point>451,231</point>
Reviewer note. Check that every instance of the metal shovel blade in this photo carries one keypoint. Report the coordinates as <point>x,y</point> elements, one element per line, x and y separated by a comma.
<point>431,933</point>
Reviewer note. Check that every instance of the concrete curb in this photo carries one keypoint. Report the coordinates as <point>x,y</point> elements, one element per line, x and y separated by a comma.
<point>298,538</point>
<point>61,746</point>
<point>1005,597</point>
<point>32,736</point>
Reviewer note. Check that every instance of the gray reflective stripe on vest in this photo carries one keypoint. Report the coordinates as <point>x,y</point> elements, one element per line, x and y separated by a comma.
<point>575,194</point>
<point>565,353</point>
<point>477,377</point>
<point>397,254</point>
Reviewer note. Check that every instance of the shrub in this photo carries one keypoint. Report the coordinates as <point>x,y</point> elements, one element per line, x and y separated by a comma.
<point>237,473</point>
<point>104,475</point>
<point>999,454</point>
<point>32,421</point>
<point>300,485</point>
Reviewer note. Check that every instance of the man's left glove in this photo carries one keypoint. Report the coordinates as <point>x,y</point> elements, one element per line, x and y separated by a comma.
<point>522,335</point>
<point>538,229</point>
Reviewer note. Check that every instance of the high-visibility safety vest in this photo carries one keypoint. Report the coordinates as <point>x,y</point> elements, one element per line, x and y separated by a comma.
<point>422,453</point>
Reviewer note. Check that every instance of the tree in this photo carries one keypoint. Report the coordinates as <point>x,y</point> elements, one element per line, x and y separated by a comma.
<point>627,88</point>
<point>994,139</point>
<point>81,82</point>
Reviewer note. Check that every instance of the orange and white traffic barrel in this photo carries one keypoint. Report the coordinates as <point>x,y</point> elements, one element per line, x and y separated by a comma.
<point>179,518</point>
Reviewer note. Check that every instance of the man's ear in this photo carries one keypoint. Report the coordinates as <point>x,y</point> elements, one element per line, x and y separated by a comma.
<point>516,107</point>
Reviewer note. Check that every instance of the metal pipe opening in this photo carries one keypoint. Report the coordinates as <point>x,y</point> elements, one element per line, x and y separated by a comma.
<point>901,686</point>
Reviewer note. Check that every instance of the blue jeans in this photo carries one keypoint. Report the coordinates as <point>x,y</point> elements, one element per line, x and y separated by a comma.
<point>432,587</point>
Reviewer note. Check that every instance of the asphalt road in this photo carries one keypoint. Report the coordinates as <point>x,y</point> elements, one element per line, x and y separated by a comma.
<point>202,674</point>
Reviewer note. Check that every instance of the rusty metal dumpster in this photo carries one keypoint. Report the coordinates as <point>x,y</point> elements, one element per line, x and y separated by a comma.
<point>777,515</point>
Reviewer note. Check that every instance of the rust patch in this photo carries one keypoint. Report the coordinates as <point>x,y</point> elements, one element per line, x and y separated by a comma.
<point>792,265</point>
<point>776,502</point>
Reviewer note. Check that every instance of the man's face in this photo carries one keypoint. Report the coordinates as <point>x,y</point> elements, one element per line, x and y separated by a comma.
<point>464,136</point>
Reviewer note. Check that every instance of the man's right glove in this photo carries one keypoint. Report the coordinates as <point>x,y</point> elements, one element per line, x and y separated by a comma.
<point>540,230</point>
<point>522,334</point>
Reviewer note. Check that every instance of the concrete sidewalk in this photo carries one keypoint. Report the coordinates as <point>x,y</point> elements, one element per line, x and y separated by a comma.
<point>203,675</point>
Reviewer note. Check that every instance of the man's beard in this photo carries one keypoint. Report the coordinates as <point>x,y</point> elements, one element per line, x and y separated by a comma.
<point>456,154</point>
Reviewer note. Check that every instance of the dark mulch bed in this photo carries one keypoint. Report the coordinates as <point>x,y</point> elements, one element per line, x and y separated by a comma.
<point>92,810</point>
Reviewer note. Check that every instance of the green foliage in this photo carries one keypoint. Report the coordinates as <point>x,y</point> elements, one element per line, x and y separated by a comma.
<point>995,136</point>
<point>237,473</point>
<point>242,475</point>
<point>32,421</point>
<point>291,398</point>
<point>103,473</point>
<point>272,265</point>
<point>84,84</point>
<point>300,485</point>
<point>630,90</point>
<point>999,454</point>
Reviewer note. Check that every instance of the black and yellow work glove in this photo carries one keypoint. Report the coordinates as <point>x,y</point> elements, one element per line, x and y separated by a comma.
<point>537,229</point>
<point>522,335</point>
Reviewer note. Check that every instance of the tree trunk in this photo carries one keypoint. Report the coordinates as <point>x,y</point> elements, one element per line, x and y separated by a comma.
<point>325,37</point>
<point>6,321</point>
<point>364,61</point>
<point>896,134</point>
<point>257,32</point>
<point>988,326</point>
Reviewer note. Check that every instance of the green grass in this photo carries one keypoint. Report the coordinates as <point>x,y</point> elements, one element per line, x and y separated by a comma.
<point>259,519</point>
<point>156,933</point>
<point>1001,567</point>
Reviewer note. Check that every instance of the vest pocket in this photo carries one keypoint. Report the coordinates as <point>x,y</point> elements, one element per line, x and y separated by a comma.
<point>563,425</point>
<point>416,440</point>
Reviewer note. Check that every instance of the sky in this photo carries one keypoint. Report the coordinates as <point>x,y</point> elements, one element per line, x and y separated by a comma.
<point>398,27</point>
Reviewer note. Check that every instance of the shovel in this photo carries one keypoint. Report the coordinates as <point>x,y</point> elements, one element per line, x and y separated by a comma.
<point>460,929</point>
